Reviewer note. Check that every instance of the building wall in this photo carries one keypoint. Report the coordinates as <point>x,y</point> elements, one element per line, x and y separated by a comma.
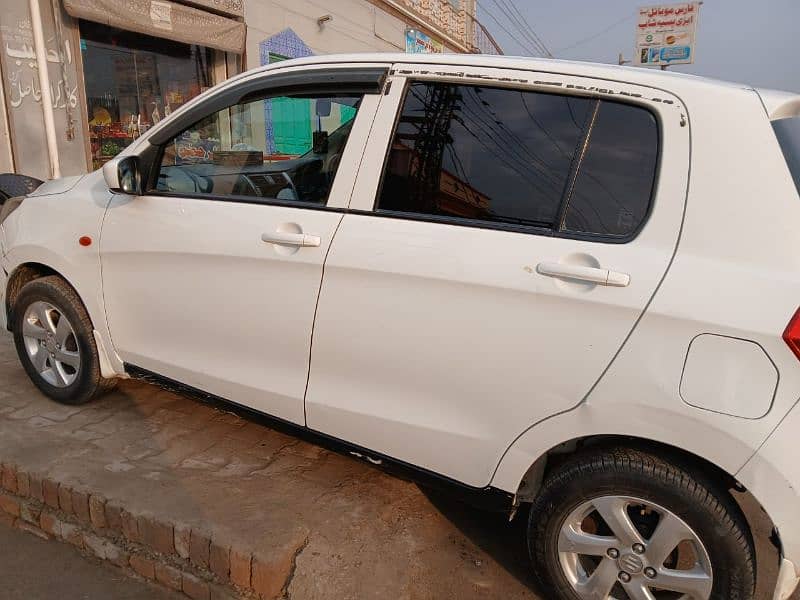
<point>23,96</point>
<point>286,27</point>
<point>6,160</point>
<point>356,26</point>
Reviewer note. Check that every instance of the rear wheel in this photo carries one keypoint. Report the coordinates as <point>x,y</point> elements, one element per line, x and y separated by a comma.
<point>54,339</point>
<point>623,524</point>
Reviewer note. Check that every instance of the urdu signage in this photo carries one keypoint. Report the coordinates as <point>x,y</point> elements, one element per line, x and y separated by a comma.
<point>421,43</point>
<point>665,34</point>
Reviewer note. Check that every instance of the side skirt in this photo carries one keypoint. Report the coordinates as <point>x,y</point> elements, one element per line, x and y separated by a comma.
<point>487,498</point>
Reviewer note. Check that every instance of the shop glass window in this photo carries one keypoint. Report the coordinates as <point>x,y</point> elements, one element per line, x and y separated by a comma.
<point>507,157</point>
<point>281,148</point>
<point>482,153</point>
<point>614,184</point>
<point>133,81</point>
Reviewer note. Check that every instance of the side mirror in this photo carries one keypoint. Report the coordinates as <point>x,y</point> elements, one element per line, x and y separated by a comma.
<point>123,175</point>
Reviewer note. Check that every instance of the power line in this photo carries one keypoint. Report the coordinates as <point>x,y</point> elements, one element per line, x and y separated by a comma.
<point>596,35</point>
<point>524,45</point>
<point>523,25</point>
<point>517,25</point>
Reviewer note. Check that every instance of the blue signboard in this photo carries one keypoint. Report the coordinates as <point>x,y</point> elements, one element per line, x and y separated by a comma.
<point>421,43</point>
<point>654,56</point>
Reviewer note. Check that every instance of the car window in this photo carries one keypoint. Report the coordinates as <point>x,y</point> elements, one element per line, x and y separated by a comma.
<point>482,153</point>
<point>503,157</point>
<point>788,132</point>
<point>614,183</point>
<point>281,148</point>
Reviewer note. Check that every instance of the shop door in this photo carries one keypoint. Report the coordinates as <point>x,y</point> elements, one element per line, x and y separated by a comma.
<point>292,121</point>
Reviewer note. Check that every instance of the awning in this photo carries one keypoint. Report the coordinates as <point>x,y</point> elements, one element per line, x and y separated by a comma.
<point>233,8</point>
<point>164,19</point>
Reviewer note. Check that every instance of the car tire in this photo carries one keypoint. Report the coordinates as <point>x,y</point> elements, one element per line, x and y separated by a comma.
<point>62,361</point>
<point>650,490</point>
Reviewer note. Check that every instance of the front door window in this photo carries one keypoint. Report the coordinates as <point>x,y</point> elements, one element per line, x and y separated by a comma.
<point>226,154</point>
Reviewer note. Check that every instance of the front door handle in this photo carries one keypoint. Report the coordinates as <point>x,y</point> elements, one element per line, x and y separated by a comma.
<point>286,238</point>
<point>581,273</point>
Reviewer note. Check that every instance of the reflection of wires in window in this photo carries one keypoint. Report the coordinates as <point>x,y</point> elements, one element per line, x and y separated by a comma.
<point>544,170</point>
<point>498,137</point>
<point>558,147</point>
<point>545,167</point>
<point>523,174</point>
<point>486,107</point>
<point>498,151</point>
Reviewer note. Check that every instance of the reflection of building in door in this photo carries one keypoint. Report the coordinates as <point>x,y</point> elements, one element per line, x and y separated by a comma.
<point>284,118</point>
<point>291,121</point>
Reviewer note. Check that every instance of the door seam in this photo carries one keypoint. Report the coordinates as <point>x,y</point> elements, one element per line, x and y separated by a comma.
<point>314,320</point>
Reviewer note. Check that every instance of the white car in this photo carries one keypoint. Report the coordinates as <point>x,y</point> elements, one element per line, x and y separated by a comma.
<point>567,285</point>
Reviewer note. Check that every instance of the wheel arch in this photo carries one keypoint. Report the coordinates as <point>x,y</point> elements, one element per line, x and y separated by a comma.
<point>29,271</point>
<point>755,515</point>
<point>22,275</point>
<point>532,479</point>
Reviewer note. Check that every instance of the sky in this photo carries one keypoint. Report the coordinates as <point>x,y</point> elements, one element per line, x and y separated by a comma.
<point>738,40</point>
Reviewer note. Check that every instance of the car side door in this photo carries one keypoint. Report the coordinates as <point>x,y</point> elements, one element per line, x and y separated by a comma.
<point>212,275</point>
<point>507,230</point>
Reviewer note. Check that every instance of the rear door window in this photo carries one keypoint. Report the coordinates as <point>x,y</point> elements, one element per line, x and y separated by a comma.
<point>483,154</point>
<point>615,179</point>
<point>788,133</point>
<point>505,158</point>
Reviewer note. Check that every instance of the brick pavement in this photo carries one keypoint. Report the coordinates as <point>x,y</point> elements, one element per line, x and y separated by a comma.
<point>206,502</point>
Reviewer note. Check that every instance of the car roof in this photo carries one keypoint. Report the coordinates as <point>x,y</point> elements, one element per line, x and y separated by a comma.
<point>657,78</point>
<point>693,87</point>
<point>779,104</point>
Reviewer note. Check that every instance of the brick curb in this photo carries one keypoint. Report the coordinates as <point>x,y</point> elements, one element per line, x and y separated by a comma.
<point>181,558</point>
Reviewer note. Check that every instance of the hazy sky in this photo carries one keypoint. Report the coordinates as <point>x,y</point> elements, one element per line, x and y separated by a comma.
<point>738,40</point>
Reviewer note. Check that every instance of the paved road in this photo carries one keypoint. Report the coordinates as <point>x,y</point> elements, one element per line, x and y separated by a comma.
<point>351,530</point>
<point>33,568</point>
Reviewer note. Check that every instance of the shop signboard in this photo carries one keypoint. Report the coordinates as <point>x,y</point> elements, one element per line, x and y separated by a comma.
<point>418,42</point>
<point>19,77</point>
<point>666,34</point>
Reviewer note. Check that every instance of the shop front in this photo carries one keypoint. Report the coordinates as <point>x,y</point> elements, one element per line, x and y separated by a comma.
<point>132,81</point>
<point>136,62</point>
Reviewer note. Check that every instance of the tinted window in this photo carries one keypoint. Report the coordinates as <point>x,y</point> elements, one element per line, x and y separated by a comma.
<point>788,132</point>
<point>522,158</point>
<point>614,183</point>
<point>483,153</point>
<point>284,148</point>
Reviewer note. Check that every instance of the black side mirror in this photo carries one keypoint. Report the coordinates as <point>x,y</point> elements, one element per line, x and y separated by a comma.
<point>129,177</point>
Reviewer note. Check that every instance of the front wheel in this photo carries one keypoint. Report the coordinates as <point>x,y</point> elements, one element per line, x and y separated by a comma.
<point>623,524</point>
<point>54,339</point>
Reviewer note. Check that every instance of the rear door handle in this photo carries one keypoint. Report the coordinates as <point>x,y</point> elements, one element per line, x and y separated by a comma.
<point>286,238</point>
<point>582,273</point>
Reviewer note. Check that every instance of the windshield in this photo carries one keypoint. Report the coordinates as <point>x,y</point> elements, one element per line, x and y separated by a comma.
<point>788,133</point>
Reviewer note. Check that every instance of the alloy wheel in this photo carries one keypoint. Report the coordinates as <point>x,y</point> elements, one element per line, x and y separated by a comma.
<point>626,548</point>
<point>51,344</point>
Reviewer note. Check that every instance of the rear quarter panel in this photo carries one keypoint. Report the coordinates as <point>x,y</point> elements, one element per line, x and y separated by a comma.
<point>736,273</point>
